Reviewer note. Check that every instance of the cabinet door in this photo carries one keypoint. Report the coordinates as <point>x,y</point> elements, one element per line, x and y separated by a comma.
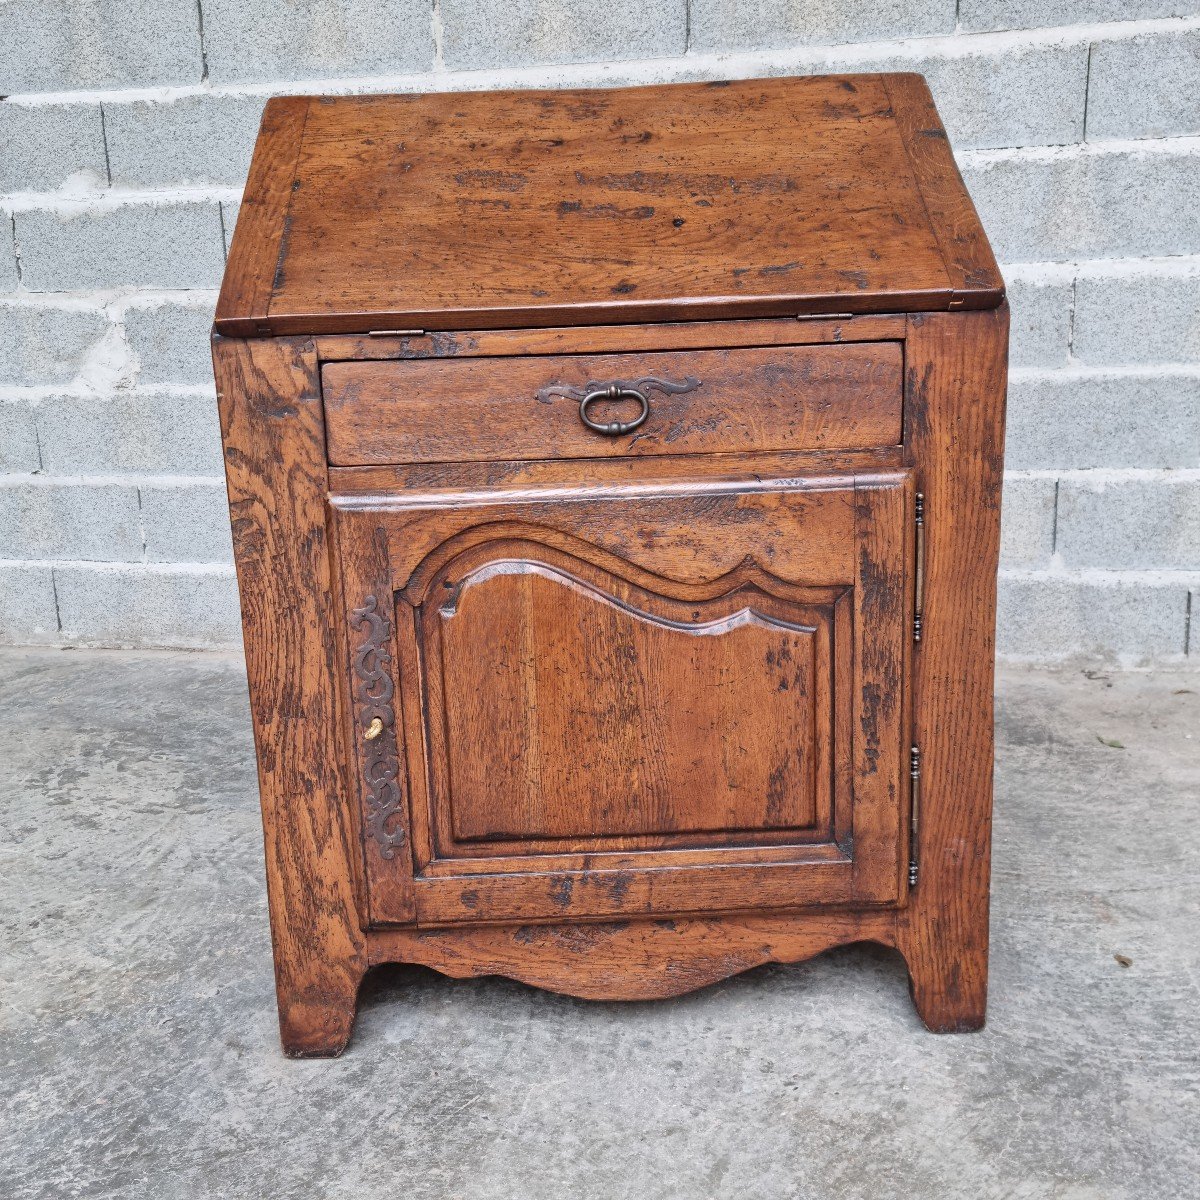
<point>643,701</point>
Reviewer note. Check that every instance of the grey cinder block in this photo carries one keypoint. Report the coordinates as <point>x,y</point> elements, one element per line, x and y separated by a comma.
<point>1147,315</point>
<point>263,40</point>
<point>736,25</point>
<point>1016,96</point>
<point>979,15</point>
<point>187,523</point>
<point>1047,618</point>
<point>43,145</point>
<point>499,33</point>
<point>1073,421</point>
<point>204,139</point>
<point>229,216</point>
<point>18,437</point>
<point>169,245</point>
<point>46,345</point>
<point>148,606</point>
<point>1040,332</point>
<point>8,260</point>
<point>1027,522</point>
<point>1120,524</point>
<point>1145,87</point>
<point>135,431</point>
<point>1089,204</point>
<point>84,521</point>
<point>171,341</point>
<point>28,614</point>
<point>64,45</point>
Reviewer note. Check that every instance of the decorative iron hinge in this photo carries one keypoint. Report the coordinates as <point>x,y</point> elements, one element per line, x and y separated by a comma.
<point>919,587</point>
<point>914,824</point>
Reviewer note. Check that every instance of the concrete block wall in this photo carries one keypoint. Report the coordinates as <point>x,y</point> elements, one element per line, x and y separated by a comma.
<point>125,135</point>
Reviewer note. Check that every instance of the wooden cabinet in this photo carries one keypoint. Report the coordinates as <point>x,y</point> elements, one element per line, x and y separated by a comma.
<point>614,478</point>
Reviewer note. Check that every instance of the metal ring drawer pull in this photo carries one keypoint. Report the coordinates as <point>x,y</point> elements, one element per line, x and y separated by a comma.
<point>614,392</point>
<point>617,389</point>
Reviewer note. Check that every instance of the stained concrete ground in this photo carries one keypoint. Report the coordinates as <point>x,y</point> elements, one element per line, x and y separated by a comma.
<point>139,1045</point>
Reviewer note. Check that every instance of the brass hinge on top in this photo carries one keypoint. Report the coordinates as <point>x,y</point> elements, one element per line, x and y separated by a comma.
<point>919,586</point>
<point>914,825</point>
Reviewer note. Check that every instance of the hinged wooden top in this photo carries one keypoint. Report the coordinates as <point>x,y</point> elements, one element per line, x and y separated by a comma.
<point>538,208</point>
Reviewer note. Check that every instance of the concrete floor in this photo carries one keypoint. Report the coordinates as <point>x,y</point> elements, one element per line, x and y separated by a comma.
<point>139,1042</point>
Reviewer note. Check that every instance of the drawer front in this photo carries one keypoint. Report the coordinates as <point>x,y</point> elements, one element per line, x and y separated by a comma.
<point>695,402</point>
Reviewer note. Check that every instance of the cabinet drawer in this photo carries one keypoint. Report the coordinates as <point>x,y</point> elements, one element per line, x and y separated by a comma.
<point>696,402</point>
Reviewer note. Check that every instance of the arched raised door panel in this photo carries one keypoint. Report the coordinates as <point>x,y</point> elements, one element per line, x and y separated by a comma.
<point>628,704</point>
<point>644,719</point>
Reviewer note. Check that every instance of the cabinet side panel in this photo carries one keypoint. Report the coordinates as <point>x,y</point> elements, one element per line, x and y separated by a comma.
<point>273,433</point>
<point>957,370</point>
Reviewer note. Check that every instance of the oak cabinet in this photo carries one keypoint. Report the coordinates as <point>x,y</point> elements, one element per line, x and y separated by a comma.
<point>618,597</point>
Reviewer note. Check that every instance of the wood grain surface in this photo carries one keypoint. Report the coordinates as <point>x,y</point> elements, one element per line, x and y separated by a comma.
<point>957,367</point>
<point>597,687</point>
<point>964,247</point>
<point>629,960</point>
<point>422,482</point>
<point>741,400</point>
<point>636,714</point>
<point>603,339</point>
<point>604,206</point>
<point>270,402</point>
<point>258,243</point>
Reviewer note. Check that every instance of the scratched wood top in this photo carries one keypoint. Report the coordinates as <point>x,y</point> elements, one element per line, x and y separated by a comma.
<point>603,206</point>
